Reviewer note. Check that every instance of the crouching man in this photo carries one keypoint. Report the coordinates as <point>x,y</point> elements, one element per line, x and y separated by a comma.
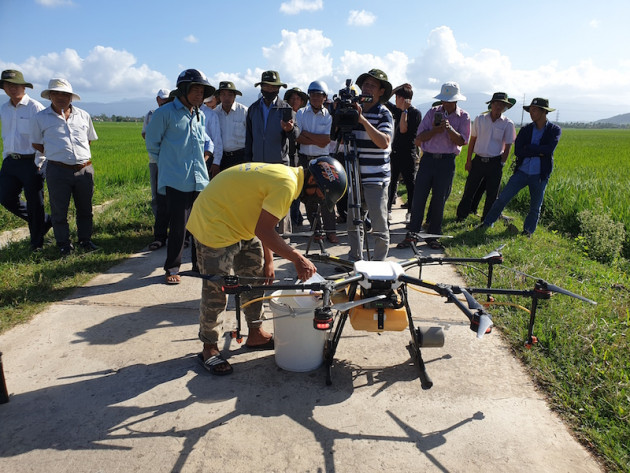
<point>233,221</point>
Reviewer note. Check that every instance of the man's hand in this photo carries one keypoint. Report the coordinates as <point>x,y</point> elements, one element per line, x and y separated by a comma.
<point>305,268</point>
<point>287,126</point>
<point>468,165</point>
<point>272,242</point>
<point>214,170</point>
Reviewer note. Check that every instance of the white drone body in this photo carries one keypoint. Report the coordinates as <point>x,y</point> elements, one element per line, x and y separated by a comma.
<point>386,271</point>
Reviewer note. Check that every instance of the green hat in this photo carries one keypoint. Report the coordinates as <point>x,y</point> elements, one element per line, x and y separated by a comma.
<point>295,90</point>
<point>382,78</point>
<point>14,77</point>
<point>227,85</point>
<point>503,98</point>
<point>271,78</point>
<point>540,103</point>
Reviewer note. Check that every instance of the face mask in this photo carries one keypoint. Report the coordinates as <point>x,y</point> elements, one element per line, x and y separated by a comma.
<point>269,96</point>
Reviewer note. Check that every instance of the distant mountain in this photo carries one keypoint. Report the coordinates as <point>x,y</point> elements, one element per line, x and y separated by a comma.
<point>476,103</point>
<point>623,119</point>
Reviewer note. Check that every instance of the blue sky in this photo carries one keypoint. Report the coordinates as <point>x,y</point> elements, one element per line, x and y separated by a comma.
<point>574,53</point>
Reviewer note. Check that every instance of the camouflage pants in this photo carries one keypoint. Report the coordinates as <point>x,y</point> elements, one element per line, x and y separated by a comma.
<point>244,259</point>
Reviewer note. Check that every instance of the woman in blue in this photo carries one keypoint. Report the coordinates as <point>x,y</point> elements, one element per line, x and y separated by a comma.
<point>534,148</point>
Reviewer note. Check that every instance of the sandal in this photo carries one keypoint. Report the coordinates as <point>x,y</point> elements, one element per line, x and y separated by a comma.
<point>409,241</point>
<point>156,245</point>
<point>332,237</point>
<point>212,363</point>
<point>268,345</point>
<point>173,279</point>
<point>435,245</point>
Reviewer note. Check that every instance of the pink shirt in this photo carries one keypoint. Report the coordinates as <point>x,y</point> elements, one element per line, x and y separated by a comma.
<point>460,122</point>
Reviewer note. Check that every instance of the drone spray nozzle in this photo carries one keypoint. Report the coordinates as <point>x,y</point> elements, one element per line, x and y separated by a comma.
<point>323,319</point>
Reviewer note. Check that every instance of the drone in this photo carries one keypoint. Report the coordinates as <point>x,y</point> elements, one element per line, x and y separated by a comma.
<point>374,296</point>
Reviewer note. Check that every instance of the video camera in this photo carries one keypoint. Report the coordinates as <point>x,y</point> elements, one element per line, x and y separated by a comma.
<point>345,116</point>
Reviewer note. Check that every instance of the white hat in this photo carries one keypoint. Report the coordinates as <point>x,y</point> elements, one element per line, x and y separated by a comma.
<point>450,93</point>
<point>59,85</point>
<point>163,93</point>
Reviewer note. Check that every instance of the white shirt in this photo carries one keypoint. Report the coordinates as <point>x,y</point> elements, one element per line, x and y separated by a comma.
<point>16,125</point>
<point>492,136</point>
<point>317,123</point>
<point>233,127</point>
<point>213,130</point>
<point>65,141</point>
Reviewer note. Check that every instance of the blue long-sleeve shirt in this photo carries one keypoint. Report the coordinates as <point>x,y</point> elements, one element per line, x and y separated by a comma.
<point>523,147</point>
<point>177,139</point>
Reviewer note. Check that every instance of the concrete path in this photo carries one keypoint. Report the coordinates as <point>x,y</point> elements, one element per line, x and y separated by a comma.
<point>108,381</point>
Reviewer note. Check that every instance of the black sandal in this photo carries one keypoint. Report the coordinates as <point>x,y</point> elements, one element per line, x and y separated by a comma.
<point>212,363</point>
<point>435,245</point>
<point>409,241</point>
<point>156,245</point>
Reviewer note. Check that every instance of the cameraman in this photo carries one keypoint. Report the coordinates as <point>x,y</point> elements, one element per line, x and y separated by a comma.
<point>373,136</point>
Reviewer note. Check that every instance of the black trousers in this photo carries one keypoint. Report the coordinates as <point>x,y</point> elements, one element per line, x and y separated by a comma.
<point>65,184</point>
<point>179,205</point>
<point>481,173</point>
<point>435,177</point>
<point>22,174</point>
<point>402,163</point>
<point>232,158</point>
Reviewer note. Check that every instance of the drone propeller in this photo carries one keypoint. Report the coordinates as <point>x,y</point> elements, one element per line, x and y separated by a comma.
<point>309,234</point>
<point>472,302</point>
<point>560,290</point>
<point>485,322</point>
<point>349,305</point>
<point>494,253</point>
<point>426,236</point>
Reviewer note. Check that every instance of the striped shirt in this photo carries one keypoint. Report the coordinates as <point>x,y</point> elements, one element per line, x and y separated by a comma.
<point>374,162</point>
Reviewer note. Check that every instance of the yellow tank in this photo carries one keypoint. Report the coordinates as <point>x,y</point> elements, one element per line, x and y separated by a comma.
<point>394,320</point>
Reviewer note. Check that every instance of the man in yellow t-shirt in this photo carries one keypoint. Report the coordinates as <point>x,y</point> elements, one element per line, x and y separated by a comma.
<point>233,221</point>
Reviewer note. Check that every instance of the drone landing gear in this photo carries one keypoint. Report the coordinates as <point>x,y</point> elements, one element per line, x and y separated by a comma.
<point>330,347</point>
<point>424,338</point>
<point>432,337</point>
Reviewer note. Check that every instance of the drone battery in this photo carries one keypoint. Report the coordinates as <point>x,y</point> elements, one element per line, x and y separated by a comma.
<point>392,320</point>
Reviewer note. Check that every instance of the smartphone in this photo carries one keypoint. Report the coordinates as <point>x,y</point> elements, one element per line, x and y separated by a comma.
<point>287,114</point>
<point>437,118</point>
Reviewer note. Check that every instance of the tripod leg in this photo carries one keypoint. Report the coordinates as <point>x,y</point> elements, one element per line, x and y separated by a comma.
<point>354,194</point>
<point>317,232</point>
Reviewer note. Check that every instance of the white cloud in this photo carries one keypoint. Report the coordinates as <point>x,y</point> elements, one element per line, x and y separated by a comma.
<point>594,23</point>
<point>104,72</point>
<point>293,7</point>
<point>361,18</point>
<point>191,39</point>
<point>300,56</point>
<point>55,3</point>
<point>488,70</point>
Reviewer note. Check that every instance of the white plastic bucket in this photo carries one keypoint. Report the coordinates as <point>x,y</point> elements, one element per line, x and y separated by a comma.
<point>298,346</point>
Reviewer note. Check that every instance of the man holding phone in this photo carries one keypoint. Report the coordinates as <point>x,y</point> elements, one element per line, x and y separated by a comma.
<point>441,134</point>
<point>270,123</point>
<point>270,127</point>
<point>403,156</point>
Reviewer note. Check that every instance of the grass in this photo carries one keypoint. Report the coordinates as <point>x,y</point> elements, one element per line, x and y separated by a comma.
<point>581,360</point>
